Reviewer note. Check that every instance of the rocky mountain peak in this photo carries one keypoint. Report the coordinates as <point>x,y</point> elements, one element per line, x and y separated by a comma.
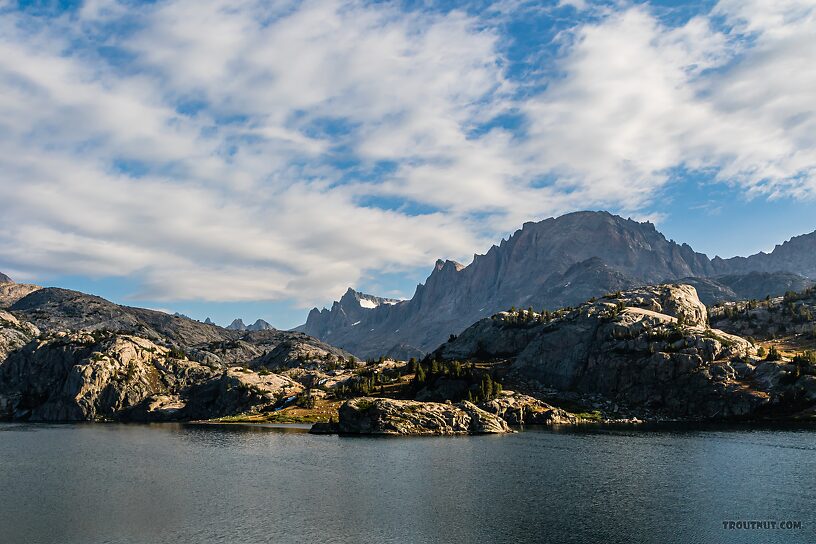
<point>795,255</point>
<point>356,299</point>
<point>237,325</point>
<point>447,265</point>
<point>260,325</point>
<point>5,279</point>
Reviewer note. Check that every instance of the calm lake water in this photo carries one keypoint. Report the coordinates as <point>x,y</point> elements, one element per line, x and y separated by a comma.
<point>237,484</point>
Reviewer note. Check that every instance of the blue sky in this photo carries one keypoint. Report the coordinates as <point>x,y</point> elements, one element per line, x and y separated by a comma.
<point>253,159</point>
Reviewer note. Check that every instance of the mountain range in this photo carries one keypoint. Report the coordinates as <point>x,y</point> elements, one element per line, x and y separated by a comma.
<point>546,265</point>
<point>238,325</point>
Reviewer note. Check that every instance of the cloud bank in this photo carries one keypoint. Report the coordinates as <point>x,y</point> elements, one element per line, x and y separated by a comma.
<point>246,150</point>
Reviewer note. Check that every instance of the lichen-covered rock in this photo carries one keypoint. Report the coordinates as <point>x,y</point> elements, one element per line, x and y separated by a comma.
<point>517,409</point>
<point>368,415</point>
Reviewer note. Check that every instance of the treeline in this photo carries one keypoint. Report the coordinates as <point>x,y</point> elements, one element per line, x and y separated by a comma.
<point>523,317</point>
<point>793,296</point>
<point>371,379</point>
<point>792,309</point>
<point>479,385</point>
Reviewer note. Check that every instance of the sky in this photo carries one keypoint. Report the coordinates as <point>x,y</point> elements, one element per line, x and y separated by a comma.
<point>254,159</point>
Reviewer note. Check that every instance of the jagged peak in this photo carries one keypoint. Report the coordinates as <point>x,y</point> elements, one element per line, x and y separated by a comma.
<point>447,264</point>
<point>237,325</point>
<point>363,300</point>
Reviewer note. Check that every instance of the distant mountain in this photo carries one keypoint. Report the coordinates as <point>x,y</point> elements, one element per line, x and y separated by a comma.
<point>797,255</point>
<point>753,285</point>
<point>351,310</point>
<point>236,325</point>
<point>5,279</point>
<point>259,325</point>
<point>555,262</point>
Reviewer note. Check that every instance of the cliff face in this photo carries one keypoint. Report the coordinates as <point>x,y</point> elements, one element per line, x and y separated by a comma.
<point>550,264</point>
<point>649,347</point>
<point>79,376</point>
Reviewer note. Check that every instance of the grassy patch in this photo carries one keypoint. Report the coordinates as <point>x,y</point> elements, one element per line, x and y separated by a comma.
<point>594,415</point>
<point>323,411</point>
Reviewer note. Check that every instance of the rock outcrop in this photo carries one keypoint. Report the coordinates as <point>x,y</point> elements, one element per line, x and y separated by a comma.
<point>791,317</point>
<point>14,334</point>
<point>368,415</point>
<point>11,292</point>
<point>649,347</point>
<point>82,376</point>
<point>517,409</point>
<point>550,264</point>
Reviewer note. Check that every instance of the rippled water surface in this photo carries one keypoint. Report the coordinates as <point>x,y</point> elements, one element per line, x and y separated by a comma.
<point>238,484</point>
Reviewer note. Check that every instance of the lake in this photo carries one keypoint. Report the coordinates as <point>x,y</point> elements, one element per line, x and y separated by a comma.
<point>117,483</point>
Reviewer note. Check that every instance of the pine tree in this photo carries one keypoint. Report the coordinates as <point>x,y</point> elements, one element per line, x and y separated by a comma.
<point>420,375</point>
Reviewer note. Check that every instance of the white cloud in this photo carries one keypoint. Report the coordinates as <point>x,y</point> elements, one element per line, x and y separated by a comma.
<point>199,161</point>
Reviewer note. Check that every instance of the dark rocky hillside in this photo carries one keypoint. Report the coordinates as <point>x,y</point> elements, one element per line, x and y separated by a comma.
<point>650,348</point>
